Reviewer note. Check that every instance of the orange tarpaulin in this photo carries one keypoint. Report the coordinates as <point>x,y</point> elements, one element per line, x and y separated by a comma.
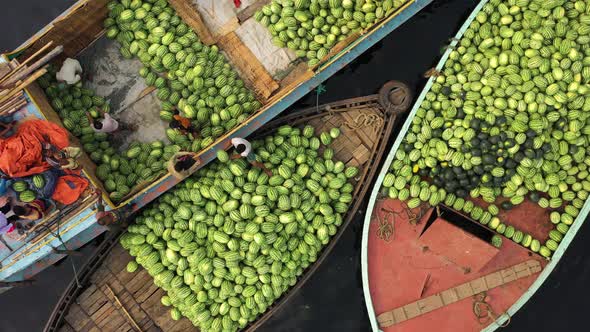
<point>69,188</point>
<point>21,153</point>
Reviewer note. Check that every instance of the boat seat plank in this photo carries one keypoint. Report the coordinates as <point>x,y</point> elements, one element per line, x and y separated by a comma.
<point>99,308</point>
<point>107,315</point>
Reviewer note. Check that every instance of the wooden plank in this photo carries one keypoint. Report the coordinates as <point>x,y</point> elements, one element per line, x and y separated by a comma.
<point>106,310</point>
<point>297,75</point>
<point>75,31</point>
<point>131,304</point>
<point>190,16</point>
<point>145,292</point>
<point>82,298</point>
<point>248,66</point>
<point>140,279</point>
<point>249,11</point>
<point>100,308</point>
<point>66,328</point>
<point>76,317</point>
<point>94,302</point>
<point>125,328</point>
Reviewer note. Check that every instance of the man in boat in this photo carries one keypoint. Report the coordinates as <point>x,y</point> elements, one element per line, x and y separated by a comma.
<point>183,164</point>
<point>114,218</point>
<point>106,124</point>
<point>69,72</point>
<point>244,150</point>
<point>183,124</point>
<point>31,211</point>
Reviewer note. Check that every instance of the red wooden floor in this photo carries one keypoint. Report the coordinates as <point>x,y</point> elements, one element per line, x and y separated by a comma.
<point>411,266</point>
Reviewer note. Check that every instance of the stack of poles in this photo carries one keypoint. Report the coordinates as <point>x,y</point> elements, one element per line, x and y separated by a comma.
<point>15,77</point>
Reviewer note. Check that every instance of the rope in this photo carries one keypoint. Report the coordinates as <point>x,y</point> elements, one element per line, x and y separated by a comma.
<point>385,230</point>
<point>58,236</point>
<point>364,120</point>
<point>483,311</point>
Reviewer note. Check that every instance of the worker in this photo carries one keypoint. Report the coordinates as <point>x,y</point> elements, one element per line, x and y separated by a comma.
<point>70,72</point>
<point>182,164</point>
<point>113,219</point>
<point>183,124</point>
<point>244,150</point>
<point>106,124</point>
<point>31,211</point>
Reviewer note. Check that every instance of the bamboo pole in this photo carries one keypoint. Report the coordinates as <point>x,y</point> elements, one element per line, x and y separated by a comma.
<point>24,84</point>
<point>38,64</point>
<point>131,320</point>
<point>20,66</point>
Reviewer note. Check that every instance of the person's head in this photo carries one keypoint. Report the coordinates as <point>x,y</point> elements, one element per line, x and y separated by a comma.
<point>174,124</point>
<point>20,210</point>
<point>97,124</point>
<point>240,148</point>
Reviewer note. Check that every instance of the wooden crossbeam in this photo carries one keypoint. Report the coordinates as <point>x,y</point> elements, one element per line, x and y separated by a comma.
<point>458,293</point>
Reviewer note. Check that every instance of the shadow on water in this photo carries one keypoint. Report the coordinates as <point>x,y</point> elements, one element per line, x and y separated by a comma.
<point>332,299</point>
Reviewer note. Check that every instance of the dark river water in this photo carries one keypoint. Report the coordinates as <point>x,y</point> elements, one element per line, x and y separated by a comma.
<point>332,300</point>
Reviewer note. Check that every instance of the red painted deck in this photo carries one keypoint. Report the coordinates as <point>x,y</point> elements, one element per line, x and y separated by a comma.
<point>410,267</point>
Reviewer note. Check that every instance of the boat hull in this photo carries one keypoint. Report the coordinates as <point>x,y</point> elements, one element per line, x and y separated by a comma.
<point>365,124</point>
<point>29,259</point>
<point>515,301</point>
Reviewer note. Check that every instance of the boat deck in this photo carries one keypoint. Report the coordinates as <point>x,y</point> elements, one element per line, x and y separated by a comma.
<point>97,310</point>
<point>431,259</point>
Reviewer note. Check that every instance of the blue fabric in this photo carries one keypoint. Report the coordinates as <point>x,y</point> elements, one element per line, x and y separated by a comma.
<point>3,186</point>
<point>51,176</point>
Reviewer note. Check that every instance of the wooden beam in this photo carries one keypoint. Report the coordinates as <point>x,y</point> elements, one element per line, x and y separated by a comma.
<point>190,15</point>
<point>248,66</point>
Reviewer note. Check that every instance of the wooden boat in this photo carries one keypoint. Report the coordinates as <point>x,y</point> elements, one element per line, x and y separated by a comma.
<point>88,304</point>
<point>80,31</point>
<point>433,268</point>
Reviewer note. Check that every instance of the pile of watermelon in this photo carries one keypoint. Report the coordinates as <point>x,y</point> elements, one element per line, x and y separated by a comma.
<point>507,121</point>
<point>312,27</point>
<point>119,171</point>
<point>25,193</point>
<point>194,78</point>
<point>230,240</point>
